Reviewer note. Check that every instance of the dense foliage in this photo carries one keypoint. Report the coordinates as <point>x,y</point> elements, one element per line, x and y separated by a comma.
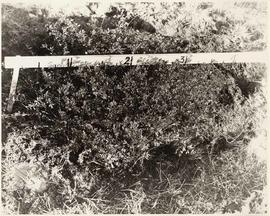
<point>179,28</point>
<point>82,124</point>
<point>114,116</point>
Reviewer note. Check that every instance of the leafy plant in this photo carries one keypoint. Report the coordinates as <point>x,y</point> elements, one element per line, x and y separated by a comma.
<point>105,134</point>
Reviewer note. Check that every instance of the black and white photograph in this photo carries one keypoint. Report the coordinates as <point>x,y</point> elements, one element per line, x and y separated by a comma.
<point>134,107</point>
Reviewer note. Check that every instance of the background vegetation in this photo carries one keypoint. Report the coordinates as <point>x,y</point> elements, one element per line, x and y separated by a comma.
<point>134,139</point>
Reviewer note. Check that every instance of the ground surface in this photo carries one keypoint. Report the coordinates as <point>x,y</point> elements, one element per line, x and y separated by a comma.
<point>155,139</point>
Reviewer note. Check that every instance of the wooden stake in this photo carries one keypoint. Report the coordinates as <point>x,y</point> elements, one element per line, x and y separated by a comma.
<point>13,87</point>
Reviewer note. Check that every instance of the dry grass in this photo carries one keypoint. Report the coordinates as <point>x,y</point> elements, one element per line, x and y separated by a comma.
<point>226,183</point>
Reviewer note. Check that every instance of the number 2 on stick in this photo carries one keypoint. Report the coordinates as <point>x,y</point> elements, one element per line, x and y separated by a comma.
<point>128,60</point>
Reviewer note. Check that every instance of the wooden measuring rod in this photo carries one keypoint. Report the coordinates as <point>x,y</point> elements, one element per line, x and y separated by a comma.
<point>21,62</point>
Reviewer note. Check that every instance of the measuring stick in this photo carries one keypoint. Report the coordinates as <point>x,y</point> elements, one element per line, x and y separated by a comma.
<point>13,87</point>
<point>17,62</point>
<point>132,59</point>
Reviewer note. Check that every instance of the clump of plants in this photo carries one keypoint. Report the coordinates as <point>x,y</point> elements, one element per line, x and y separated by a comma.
<point>111,118</point>
<point>89,129</point>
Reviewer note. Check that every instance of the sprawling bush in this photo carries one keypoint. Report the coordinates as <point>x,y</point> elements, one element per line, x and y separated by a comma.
<point>213,30</point>
<point>83,123</point>
<point>116,115</point>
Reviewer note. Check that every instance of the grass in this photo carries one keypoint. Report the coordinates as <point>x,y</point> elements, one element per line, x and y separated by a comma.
<point>221,184</point>
<point>217,186</point>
